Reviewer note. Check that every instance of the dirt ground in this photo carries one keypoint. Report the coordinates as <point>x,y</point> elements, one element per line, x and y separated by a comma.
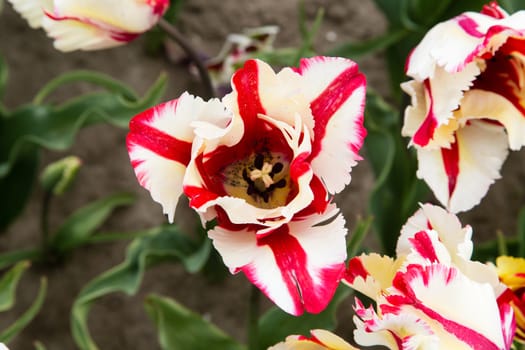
<point>120,322</point>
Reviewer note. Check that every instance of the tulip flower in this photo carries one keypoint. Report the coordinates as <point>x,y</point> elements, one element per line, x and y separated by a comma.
<point>320,340</point>
<point>91,24</point>
<point>432,296</point>
<point>264,161</point>
<point>512,273</point>
<point>468,104</point>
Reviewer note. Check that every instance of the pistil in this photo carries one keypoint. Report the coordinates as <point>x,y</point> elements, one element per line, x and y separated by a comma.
<point>262,177</point>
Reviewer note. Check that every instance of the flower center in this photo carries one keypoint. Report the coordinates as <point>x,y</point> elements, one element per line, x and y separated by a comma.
<point>261,179</point>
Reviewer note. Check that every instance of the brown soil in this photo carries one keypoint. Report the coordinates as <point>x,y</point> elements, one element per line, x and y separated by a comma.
<point>118,321</point>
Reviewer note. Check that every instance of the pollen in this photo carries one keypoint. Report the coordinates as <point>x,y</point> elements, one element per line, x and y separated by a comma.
<point>261,179</point>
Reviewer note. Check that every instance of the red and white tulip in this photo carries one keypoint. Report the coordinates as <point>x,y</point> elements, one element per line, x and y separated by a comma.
<point>263,161</point>
<point>320,339</point>
<point>468,102</point>
<point>432,296</point>
<point>91,24</point>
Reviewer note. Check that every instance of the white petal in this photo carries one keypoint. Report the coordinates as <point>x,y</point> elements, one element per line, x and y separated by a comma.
<point>279,270</point>
<point>452,234</point>
<point>489,105</point>
<point>336,91</point>
<point>32,10</point>
<point>159,145</point>
<point>451,300</point>
<point>482,150</point>
<point>127,15</point>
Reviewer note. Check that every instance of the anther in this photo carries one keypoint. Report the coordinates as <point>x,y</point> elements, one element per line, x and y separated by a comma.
<point>259,161</point>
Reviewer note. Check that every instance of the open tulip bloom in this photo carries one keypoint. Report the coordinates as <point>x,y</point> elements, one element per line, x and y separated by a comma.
<point>263,161</point>
<point>468,104</point>
<point>320,339</point>
<point>432,296</point>
<point>91,24</point>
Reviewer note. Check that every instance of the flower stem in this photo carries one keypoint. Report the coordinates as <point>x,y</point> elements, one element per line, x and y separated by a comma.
<point>177,36</point>
<point>253,317</point>
<point>44,220</point>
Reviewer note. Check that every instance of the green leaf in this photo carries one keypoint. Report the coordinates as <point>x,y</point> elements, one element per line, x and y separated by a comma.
<point>423,12</point>
<point>58,176</point>
<point>362,48</point>
<point>17,186</point>
<point>275,325</point>
<point>56,127</point>
<point>521,232</point>
<point>8,285</point>
<point>16,256</point>
<point>155,246</point>
<point>391,10</point>
<point>180,328</point>
<point>361,230</point>
<point>396,191</point>
<point>512,5</point>
<point>77,229</point>
<point>86,76</point>
<point>308,36</point>
<point>3,76</point>
<point>39,346</point>
<point>27,316</point>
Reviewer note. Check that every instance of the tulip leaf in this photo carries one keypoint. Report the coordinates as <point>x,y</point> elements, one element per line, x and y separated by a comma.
<point>76,230</point>
<point>521,232</point>
<point>17,185</point>
<point>308,35</point>
<point>95,78</point>
<point>165,243</point>
<point>512,5</point>
<point>55,127</point>
<point>8,284</point>
<point>3,76</point>
<point>20,323</point>
<point>362,48</point>
<point>275,325</point>
<point>397,190</point>
<point>356,238</point>
<point>17,256</point>
<point>179,328</point>
<point>39,346</point>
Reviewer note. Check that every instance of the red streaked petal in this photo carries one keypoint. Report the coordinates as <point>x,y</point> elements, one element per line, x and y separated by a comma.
<point>298,265</point>
<point>456,238</point>
<point>159,144</point>
<point>245,83</point>
<point>464,308</point>
<point>494,10</point>
<point>371,274</point>
<point>482,149</point>
<point>336,90</point>
<point>451,162</point>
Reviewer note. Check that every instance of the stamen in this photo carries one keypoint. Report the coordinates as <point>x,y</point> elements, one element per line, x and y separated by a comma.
<point>277,167</point>
<point>259,159</point>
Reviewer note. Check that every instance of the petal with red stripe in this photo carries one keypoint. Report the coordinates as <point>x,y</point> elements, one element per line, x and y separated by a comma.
<point>298,266</point>
<point>336,91</point>
<point>456,238</point>
<point>460,311</point>
<point>159,145</point>
<point>371,274</point>
<point>460,176</point>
